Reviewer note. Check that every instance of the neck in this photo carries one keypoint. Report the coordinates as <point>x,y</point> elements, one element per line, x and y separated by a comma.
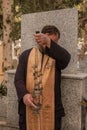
<point>41,50</point>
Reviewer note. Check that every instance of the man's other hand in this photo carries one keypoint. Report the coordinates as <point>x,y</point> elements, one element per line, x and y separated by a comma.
<point>28,100</point>
<point>42,40</point>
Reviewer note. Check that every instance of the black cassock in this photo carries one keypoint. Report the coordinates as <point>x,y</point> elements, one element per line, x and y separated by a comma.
<point>62,58</point>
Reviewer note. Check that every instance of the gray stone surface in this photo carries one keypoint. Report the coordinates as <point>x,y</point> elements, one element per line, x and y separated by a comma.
<point>3,108</point>
<point>5,127</point>
<point>12,113</point>
<point>11,89</point>
<point>12,106</point>
<point>83,64</point>
<point>73,86</point>
<point>67,22</point>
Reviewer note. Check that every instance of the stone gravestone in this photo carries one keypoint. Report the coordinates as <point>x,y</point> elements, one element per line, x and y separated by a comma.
<point>66,20</point>
<point>12,107</point>
<point>73,82</point>
<point>83,64</point>
<point>10,122</point>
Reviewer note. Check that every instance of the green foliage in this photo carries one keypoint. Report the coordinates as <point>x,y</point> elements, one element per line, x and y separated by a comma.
<point>16,31</point>
<point>3,88</point>
<point>72,3</point>
<point>16,22</point>
<point>0,7</point>
<point>30,6</point>
<point>27,6</point>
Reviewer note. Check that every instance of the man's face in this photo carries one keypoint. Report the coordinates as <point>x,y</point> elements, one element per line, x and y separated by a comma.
<point>53,37</point>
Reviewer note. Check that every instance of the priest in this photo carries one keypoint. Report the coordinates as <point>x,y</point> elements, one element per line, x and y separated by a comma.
<point>37,81</point>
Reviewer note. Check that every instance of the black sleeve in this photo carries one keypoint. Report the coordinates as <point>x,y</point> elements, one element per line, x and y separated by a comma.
<point>58,53</point>
<point>20,76</point>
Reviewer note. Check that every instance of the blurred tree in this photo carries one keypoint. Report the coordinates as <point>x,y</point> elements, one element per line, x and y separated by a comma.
<point>7,29</point>
<point>28,6</point>
<point>1,19</point>
<point>82,7</point>
<point>13,9</point>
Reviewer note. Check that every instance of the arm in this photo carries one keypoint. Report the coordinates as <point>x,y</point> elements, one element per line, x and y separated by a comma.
<point>53,50</point>
<point>20,76</point>
<point>58,53</point>
<point>20,81</point>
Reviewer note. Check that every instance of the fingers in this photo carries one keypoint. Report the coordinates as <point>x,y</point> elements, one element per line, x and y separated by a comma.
<point>28,100</point>
<point>38,35</point>
<point>32,104</point>
<point>42,40</point>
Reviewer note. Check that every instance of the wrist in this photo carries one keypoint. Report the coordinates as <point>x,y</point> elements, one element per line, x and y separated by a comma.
<point>49,43</point>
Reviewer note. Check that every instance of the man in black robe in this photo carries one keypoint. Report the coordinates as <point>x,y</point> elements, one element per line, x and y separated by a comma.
<point>47,43</point>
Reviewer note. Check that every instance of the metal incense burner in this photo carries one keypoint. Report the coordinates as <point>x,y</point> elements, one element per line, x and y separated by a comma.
<point>37,91</point>
<point>37,95</point>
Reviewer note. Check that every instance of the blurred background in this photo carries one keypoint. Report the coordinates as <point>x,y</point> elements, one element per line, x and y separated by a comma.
<point>10,27</point>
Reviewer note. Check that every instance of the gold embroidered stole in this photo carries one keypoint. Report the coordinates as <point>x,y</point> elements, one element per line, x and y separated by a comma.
<point>44,120</point>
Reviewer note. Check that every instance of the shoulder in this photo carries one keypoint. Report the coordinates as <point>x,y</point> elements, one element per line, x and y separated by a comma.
<point>24,56</point>
<point>25,53</point>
